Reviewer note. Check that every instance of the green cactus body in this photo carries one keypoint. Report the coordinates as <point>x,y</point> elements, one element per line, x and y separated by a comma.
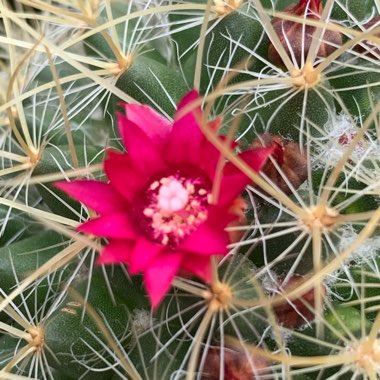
<point>59,155</point>
<point>15,226</point>
<point>284,112</point>
<point>20,259</point>
<point>183,35</point>
<point>236,238</point>
<point>223,54</point>
<point>358,9</point>
<point>365,85</point>
<point>346,317</point>
<point>67,333</point>
<point>153,83</point>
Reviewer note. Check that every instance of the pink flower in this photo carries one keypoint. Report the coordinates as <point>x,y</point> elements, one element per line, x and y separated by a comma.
<point>157,210</point>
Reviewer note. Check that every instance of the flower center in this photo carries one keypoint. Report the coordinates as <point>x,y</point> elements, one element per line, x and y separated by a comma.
<point>172,196</point>
<point>173,207</point>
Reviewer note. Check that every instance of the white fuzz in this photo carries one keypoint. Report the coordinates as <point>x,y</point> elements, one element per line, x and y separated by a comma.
<point>339,134</point>
<point>141,321</point>
<point>270,282</point>
<point>366,253</point>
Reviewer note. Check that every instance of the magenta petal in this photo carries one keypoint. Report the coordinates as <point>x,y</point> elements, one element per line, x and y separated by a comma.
<point>123,176</point>
<point>158,277</point>
<point>231,187</point>
<point>117,251</point>
<point>186,137</point>
<point>206,240</point>
<point>99,196</point>
<point>209,154</point>
<point>187,100</point>
<point>143,152</point>
<point>255,158</point>
<point>198,265</point>
<point>234,181</point>
<point>117,226</point>
<point>143,253</point>
<point>155,126</point>
<point>220,216</point>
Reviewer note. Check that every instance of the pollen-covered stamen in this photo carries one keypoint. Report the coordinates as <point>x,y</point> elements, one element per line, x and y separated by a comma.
<point>175,207</point>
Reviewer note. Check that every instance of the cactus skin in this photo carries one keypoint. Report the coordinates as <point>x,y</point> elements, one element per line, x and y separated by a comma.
<point>299,294</point>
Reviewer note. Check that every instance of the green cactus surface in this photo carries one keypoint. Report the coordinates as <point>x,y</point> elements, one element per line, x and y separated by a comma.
<point>190,189</point>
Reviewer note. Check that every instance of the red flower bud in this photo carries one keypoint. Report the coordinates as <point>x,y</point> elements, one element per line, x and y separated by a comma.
<point>237,366</point>
<point>368,46</point>
<point>296,38</point>
<point>238,208</point>
<point>288,156</point>
<point>294,314</point>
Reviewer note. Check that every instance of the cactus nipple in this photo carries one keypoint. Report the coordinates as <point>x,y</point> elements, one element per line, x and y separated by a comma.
<point>367,355</point>
<point>225,7</point>
<point>306,77</point>
<point>220,297</point>
<point>123,64</point>
<point>321,217</point>
<point>36,338</point>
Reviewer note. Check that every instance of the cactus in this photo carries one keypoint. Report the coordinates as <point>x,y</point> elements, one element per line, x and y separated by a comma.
<point>190,189</point>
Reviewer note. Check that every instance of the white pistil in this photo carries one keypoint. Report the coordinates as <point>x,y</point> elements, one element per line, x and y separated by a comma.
<point>172,196</point>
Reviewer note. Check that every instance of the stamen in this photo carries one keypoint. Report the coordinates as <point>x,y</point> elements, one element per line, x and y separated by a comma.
<point>174,207</point>
<point>148,212</point>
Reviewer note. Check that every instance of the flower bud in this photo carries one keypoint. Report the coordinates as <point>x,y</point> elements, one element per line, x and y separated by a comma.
<point>370,47</point>
<point>288,156</point>
<point>237,366</point>
<point>296,37</point>
<point>238,208</point>
<point>295,313</point>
